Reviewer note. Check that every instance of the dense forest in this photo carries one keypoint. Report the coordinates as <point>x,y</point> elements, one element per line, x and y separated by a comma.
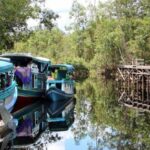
<point>100,36</point>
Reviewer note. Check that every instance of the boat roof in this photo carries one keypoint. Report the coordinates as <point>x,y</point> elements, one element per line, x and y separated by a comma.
<point>67,67</point>
<point>26,56</point>
<point>5,59</point>
<point>5,66</point>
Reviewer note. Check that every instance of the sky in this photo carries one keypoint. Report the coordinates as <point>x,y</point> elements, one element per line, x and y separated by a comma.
<point>62,8</point>
<point>67,142</point>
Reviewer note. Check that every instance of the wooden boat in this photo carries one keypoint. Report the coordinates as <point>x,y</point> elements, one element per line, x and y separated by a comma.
<point>60,86</point>
<point>8,88</point>
<point>30,75</point>
<point>61,115</point>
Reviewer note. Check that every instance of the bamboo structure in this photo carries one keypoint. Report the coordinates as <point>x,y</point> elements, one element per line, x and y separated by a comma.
<point>134,86</point>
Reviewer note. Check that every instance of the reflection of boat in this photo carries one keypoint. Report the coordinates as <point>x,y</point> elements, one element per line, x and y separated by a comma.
<point>55,108</point>
<point>56,94</point>
<point>30,123</point>
<point>31,76</point>
<point>61,86</point>
<point>61,115</point>
<point>8,89</point>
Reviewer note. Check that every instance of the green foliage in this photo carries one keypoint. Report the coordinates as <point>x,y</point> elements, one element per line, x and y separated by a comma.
<point>100,35</point>
<point>13,20</point>
<point>100,116</point>
<point>13,16</point>
<point>44,43</point>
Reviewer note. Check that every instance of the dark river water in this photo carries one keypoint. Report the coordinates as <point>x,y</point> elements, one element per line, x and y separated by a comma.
<point>101,122</point>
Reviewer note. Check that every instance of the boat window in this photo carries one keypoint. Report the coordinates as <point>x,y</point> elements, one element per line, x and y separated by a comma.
<point>2,81</point>
<point>43,68</point>
<point>62,68</point>
<point>9,78</point>
<point>35,81</point>
<point>5,80</point>
<point>61,74</point>
<point>34,68</point>
<point>58,85</point>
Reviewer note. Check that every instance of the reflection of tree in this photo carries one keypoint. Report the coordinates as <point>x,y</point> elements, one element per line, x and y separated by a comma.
<point>107,123</point>
<point>80,126</point>
<point>46,138</point>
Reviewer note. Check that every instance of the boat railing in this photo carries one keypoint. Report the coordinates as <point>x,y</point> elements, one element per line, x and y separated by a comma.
<point>60,81</point>
<point>5,92</point>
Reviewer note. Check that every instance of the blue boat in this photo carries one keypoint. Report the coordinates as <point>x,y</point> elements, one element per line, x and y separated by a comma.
<point>8,88</point>
<point>31,75</point>
<point>60,85</point>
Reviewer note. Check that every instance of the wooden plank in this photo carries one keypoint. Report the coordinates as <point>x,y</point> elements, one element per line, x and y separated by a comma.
<point>134,67</point>
<point>141,73</point>
<point>121,74</point>
<point>139,109</point>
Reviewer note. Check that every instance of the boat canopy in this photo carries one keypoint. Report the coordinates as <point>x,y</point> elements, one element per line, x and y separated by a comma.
<point>5,59</point>
<point>27,60</point>
<point>22,59</point>
<point>66,67</point>
<point>5,66</point>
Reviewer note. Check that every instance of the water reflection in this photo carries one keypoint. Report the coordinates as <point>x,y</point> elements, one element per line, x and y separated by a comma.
<point>60,115</point>
<point>111,126</point>
<point>135,93</point>
<point>97,122</point>
<point>38,122</point>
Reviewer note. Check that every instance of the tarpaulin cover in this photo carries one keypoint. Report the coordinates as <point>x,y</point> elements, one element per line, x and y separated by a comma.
<point>24,73</point>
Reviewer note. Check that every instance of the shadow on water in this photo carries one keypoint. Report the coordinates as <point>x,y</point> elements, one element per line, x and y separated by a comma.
<point>97,122</point>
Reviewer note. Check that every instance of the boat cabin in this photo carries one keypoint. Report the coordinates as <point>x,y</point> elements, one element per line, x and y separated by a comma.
<point>61,71</point>
<point>61,77</point>
<point>30,72</point>
<point>6,74</point>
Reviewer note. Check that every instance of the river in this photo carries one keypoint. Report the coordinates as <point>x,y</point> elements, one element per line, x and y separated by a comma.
<point>101,122</point>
